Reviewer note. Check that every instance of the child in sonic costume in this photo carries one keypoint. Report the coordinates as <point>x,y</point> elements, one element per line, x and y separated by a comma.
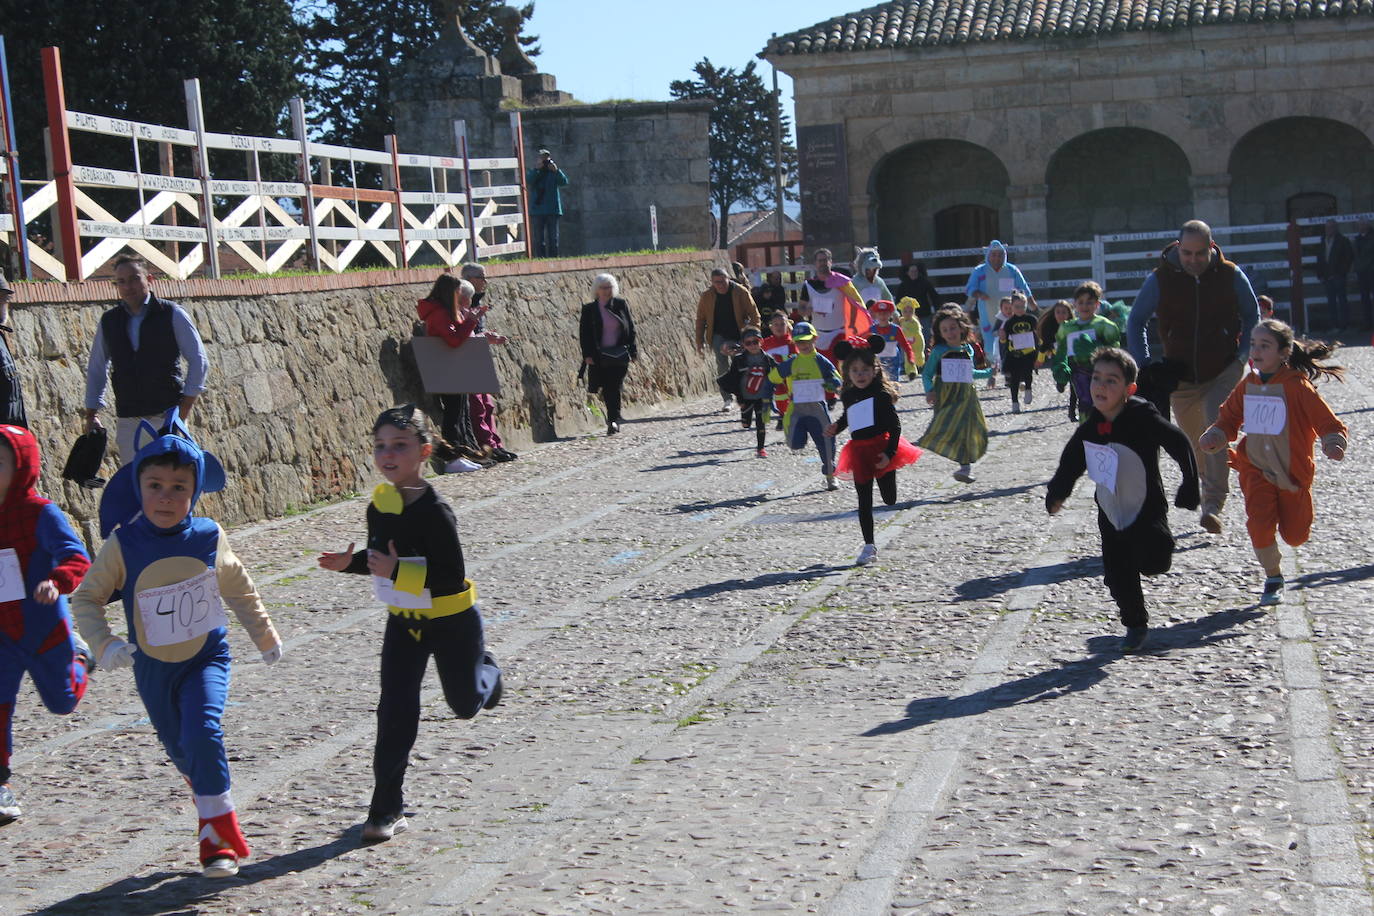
<point>173,570</point>
<point>41,559</point>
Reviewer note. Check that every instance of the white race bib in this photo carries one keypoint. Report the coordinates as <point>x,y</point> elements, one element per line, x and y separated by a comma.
<point>1102,463</point>
<point>385,591</point>
<point>11,576</point>
<point>860,414</point>
<point>823,303</point>
<point>1006,284</point>
<point>176,613</point>
<point>1265,414</point>
<point>956,370</point>
<point>1024,341</point>
<point>808,390</point>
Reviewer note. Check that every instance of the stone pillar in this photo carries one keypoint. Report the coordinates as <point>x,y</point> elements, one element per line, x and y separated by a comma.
<point>1212,198</point>
<point>1029,213</point>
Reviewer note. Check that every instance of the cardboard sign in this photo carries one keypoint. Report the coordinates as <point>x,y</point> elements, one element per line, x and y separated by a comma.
<point>1024,341</point>
<point>467,369</point>
<point>175,613</point>
<point>1102,463</point>
<point>11,576</point>
<point>956,370</point>
<point>1265,414</point>
<point>860,414</point>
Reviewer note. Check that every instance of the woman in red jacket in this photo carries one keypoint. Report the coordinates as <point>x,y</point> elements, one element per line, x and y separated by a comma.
<point>447,316</point>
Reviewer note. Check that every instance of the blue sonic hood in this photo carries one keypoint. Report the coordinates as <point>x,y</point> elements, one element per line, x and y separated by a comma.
<point>122,501</point>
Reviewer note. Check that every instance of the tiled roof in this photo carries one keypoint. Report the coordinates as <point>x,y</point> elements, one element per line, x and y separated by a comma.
<point>923,23</point>
<point>744,221</point>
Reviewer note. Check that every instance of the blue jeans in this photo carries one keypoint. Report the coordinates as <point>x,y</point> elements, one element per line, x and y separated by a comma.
<point>544,234</point>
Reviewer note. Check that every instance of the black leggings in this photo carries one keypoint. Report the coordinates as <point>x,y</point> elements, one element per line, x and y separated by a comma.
<point>467,674</point>
<point>758,411</point>
<point>1019,371</point>
<point>1140,550</point>
<point>609,377</point>
<point>887,487</point>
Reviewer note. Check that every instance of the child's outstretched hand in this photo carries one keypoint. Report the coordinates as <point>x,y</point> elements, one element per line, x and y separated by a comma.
<point>46,592</point>
<point>1331,450</point>
<point>1054,506</point>
<point>930,399</point>
<point>1212,441</point>
<point>832,429</point>
<point>383,564</point>
<point>273,655</point>
<point>337,562</point>
<point>117,654</point>
<point>882,462</point>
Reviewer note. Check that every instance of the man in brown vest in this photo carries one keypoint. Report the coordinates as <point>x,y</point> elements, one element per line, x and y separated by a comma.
<point>1205,309</point>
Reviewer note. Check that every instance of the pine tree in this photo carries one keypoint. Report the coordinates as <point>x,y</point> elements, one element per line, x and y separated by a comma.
<point>741,132</point>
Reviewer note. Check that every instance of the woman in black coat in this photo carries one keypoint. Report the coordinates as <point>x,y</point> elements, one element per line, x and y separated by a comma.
<point>607,334</point>
<point>916,284</point>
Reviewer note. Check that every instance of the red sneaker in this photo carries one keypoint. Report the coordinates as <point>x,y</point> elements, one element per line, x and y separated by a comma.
<point>762,453</point>
<point>220,838</point>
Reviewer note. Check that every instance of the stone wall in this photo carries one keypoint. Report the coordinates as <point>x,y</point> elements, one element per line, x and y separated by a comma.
<point>1204,89</point>
<point>301,366</point>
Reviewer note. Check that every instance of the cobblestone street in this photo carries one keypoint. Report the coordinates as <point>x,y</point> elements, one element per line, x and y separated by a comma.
<point>708,709</point>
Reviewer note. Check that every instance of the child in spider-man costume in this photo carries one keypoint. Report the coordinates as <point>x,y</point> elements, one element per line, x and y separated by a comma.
<point>41,559</point>
<point>176,572</point>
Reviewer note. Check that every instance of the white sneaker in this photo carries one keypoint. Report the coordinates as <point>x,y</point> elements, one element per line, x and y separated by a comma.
<point>378,830</point>
<point>1030,398</point>
<point>460,465</point>
<point>221,867</point>
<point>867,555</point>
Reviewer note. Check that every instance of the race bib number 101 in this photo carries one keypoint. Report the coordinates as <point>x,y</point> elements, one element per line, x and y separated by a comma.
<point>175,613</point>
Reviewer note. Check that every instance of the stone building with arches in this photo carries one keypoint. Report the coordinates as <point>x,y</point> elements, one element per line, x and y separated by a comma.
<point>944,123</point>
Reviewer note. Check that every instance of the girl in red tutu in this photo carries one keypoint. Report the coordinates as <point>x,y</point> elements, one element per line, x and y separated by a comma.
<point>876,448</point>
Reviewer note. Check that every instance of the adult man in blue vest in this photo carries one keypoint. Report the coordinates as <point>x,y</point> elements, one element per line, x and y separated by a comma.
<point>142,342</point>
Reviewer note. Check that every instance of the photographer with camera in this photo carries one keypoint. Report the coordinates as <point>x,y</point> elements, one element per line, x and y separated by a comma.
<point>546,204</point>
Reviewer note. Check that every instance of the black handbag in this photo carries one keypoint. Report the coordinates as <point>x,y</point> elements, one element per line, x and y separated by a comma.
<point>88,452</point>
<point>618,355</point>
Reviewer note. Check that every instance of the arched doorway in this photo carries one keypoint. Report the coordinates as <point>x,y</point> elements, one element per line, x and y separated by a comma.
<point>937,194</point>
<point>1119,179</point>
<point>1300,158</point>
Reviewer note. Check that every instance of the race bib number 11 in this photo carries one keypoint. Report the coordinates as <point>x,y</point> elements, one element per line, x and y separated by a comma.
<point>175,613</point>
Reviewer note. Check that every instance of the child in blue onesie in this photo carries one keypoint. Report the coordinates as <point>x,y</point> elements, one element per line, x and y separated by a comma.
<point>176,572</point>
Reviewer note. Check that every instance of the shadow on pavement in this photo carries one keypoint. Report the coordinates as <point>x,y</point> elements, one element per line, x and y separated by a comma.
<point>987,586</point>
<point>167,892</point>
<point>1070,677</point>
<point>1335,576</point>
<point>739,502</point>
<point>767,580</point>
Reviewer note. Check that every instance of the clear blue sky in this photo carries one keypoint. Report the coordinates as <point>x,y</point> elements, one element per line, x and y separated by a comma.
<point>632,49</point>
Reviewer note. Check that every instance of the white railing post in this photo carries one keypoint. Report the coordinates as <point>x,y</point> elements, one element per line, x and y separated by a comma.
<point>460,134</point>
<point>196,115</point>
<point>298,126</point>
<point>1099,259</point>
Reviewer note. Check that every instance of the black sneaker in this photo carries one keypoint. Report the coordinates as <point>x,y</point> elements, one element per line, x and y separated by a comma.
<point>1134,639</point>
<point>501,454</point>
<point>497,692</point>
<point>1273,590</point>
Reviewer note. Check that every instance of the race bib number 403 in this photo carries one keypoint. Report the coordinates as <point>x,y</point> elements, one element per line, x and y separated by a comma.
<point>175,613</point>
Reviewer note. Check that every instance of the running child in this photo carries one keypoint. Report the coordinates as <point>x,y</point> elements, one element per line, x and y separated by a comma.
<point>1019,346</point>
<point>1118,446</point>
<point>163,557</point>
<point>1282,414</point>
<point>897,350</point>
<point>748,378</point>
<point>1076,341</point>
<point>416,562</point>
<point>1048,331</point>
<point>876,448</point>
<point>958,430</point>
<point>778,345</point>
<point>910,323</point>
<point>809,376</point>
<point>41,560</point>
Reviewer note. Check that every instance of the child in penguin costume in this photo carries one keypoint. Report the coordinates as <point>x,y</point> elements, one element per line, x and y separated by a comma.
<point>176,572</point>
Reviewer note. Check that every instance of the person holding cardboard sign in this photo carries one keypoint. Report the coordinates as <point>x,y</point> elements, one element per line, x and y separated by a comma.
<point>1118,445</point>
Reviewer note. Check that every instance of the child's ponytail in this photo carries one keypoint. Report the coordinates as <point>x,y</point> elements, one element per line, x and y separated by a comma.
<point>1306,356</point>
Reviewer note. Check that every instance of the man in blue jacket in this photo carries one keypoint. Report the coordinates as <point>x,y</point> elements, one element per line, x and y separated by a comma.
<point>546,204</point>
